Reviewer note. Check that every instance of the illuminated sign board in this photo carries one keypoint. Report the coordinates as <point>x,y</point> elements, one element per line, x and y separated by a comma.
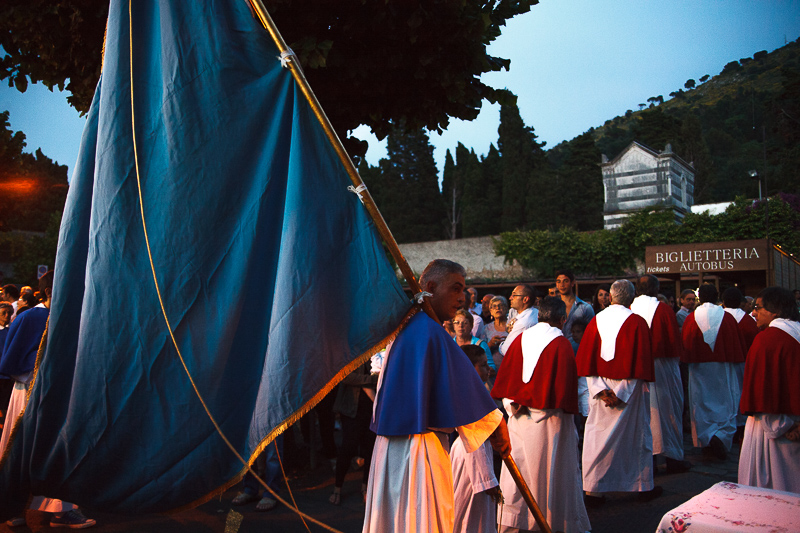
<point>707,257</point>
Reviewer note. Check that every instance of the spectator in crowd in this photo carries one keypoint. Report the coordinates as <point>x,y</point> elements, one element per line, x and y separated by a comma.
<point>267,467</point>
<point>749,303</point>
<point>486,313</point>
<point>26,301</point>
<point>496,329</point>
<point>477,321</point>
<point>615,357</point>
<point>17,362</point>
<point>552,290</point>
<point>474,483</point>
<point>6,385</point>
<point>538,387</point>
<point>354,405</point>
<point>462,324</point>
<point>601,297</point>
<point>712,346</point>
<point>475,305</point>
<point>666,392</point>
<point>10,294</point>
<point>688,302</point>
<point>577,309</point>
<point>522,298</point>
<point>770,455</point>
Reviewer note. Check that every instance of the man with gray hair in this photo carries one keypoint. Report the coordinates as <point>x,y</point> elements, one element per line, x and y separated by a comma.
<point>427,388</point>
<point>615,357</point>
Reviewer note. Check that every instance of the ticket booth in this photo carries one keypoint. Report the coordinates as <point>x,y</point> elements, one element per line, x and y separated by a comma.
<point>750,265</point>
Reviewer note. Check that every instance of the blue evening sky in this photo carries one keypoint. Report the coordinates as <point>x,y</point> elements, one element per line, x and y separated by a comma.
<point>574,65</point>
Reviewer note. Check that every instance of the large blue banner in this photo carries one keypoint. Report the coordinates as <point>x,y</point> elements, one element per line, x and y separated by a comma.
<point>272,275</point>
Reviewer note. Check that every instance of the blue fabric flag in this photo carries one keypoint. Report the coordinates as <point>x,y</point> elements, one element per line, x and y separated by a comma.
<point>272,274</point>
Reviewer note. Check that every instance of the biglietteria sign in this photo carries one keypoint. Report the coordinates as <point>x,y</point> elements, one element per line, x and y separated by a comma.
<point>707,257</point>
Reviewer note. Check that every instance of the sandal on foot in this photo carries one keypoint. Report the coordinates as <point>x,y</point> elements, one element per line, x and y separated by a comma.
<point>335,498</point>
<point>266,504</point>
<point>244,498</point>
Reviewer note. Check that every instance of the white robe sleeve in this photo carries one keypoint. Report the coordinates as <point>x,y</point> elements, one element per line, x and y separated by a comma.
<point>475,434</point>
<point>481,470</point>
<point>623,388</point>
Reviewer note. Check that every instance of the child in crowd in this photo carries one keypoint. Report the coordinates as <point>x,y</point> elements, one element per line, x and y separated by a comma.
<point>474,483</point>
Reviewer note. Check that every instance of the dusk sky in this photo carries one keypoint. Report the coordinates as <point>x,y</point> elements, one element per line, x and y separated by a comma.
<point>574,65</point>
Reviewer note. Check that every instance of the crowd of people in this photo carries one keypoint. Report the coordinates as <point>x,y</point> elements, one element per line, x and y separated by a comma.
<point>590,397</point>
<point>594,395</point>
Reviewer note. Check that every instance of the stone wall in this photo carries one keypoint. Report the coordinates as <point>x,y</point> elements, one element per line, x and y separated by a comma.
<point>475,254</point>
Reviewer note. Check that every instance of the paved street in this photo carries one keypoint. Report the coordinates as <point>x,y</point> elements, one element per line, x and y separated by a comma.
<point>622,512</point>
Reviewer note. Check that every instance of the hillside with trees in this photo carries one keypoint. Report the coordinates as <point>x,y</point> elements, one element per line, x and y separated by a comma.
<point>745,118</point>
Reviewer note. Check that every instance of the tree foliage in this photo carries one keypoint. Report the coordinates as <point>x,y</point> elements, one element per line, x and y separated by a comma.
<point>615,252</point>
<point>33,186</point>
<point>373,63</point>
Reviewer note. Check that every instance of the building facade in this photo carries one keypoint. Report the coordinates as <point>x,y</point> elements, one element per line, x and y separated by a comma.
<point>640,177</point>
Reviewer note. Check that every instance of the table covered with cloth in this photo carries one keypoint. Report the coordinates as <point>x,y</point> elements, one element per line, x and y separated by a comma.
<point>730,507</point>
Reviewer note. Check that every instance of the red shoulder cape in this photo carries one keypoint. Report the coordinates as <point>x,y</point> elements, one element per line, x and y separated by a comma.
<point>749,330</point>
<point>632,356</point>
<point>554,384</point>
<point>727,349</point>
<point>771,374</point>
<point>665,334</point>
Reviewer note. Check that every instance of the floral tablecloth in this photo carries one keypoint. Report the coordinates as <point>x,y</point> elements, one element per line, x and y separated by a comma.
<point>730,507</point>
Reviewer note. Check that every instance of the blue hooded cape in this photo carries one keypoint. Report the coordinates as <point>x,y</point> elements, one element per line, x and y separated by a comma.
<point>22,339</point>
<point>428,383</point>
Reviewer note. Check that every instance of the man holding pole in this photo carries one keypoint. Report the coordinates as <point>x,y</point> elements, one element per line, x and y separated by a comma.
<point>427,388</point>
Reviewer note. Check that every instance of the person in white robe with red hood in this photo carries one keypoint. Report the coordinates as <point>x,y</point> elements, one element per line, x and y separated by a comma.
<point>615,357</point>
<point>666,392</point>
<point>712,347</point>
<point>770,456</point>
<point>538,384</point>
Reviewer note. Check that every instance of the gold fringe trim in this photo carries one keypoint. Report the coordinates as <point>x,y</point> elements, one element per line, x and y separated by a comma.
<point>18,421</point>
<point>297,415</point>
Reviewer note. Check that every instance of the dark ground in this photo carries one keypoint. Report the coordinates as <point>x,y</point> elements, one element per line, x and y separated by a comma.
<point>311,487</point>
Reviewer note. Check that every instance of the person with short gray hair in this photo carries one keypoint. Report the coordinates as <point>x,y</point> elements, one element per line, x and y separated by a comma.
<point>622,292</point>
<point>615,356</point>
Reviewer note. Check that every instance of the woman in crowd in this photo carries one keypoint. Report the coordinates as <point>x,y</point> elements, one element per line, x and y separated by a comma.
<point>601,298</point>
<point>462,324</point>
<point>496,330</point>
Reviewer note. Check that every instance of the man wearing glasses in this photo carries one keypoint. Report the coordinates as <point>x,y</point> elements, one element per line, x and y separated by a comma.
<point>521,299</point>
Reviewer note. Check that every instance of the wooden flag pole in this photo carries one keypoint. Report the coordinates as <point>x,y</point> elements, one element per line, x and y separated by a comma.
<point>526,494</point>
<point>372,208</point>
<point>358,183</point>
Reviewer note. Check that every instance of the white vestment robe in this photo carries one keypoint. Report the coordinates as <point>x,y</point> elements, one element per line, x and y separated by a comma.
<point>473,474</point>
<point>617,442</point>
<point>718,386</point>
<point>411,480</point>
<point>544,444</point>
<point>666,408</point>
<point>768,459</point>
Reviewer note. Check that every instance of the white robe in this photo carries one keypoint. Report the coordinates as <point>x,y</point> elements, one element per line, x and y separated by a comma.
<point>545,448</point>
<point>473,474</point>
<point>617,442</point>
<point>714,393</point>
<point>411,482</point>
<point>666,408</point>
<point>15,406</point>
<point>768,459</point>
